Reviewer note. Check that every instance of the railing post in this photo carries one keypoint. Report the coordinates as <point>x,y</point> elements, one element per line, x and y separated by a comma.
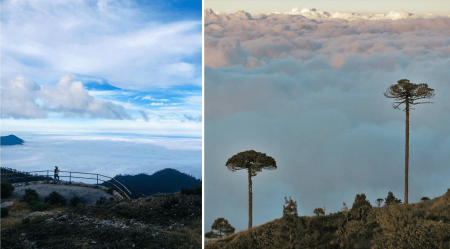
<point>70,178</point>
<point>47,176</point>
<point>97,180</point>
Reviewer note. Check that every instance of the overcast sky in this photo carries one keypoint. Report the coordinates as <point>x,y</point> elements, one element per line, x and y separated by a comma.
<point>309,94</point>
<point>102,67</point>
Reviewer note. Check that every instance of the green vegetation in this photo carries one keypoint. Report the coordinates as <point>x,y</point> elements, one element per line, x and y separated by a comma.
<point>76,200</point>
<point>253,162</point>
<point>406,93</point>
<point>319,211</point>
<point>197,190</point>
<point>54,198</point>
<point>7,190</point>
<point>425,224</point>
<point>5,212</point>
<point>222,227</point>
<point>391,199</point>
<point>163,181</point>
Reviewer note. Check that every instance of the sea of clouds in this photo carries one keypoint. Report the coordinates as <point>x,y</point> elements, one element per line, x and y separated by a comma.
<point>306,88</point>
<point>106,154</point>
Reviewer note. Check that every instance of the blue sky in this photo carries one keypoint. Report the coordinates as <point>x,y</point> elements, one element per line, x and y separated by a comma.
<point>104,69</point>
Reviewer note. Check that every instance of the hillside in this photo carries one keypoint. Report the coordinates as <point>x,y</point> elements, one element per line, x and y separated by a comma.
<point>158,221</point>
<point>11,140</point>
<point>29,177</point>
<point>163,181</point>
<point>420,225</point>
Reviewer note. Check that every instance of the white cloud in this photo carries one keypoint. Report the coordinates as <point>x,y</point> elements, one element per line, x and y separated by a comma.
<point>22,98</point>
<point>107,40</point>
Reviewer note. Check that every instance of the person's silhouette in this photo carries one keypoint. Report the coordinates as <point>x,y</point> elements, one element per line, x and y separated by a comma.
<point>56,174</point>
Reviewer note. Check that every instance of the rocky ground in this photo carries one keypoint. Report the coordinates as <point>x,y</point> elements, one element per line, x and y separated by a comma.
<point>158,221</point>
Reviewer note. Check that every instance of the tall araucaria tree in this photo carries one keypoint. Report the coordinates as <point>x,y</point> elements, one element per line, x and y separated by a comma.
<point>407,93</point>
<point>253,162</point>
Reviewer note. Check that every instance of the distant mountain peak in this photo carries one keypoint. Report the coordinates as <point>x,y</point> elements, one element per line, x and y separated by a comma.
<point>11,140</point>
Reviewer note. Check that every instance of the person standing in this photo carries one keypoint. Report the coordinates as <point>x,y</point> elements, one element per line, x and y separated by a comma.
<point>56,174</point>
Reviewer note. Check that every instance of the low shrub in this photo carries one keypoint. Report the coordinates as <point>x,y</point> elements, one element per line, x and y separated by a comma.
<point>30,195</point>
<point>80,206</point>
<point>101,200</point>
<point>76,200</point>
<point>26,220</point>
<point>38,205</point>
<point>7,189</point>
<point>170,203</point>
<point>192,191</point>
<point>5,212</point>
<point>55,198</point>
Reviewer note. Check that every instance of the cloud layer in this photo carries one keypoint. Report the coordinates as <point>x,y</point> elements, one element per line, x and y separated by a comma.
<point>309,93</point>
<point>22,98</point>
<point>133,47</point>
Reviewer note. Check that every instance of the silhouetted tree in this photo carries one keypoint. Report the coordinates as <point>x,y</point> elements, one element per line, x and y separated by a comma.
<point>406,93</point>
<point>391,199</point>
<point>222,227</point>
<point>319,211</point>
<point>253,162</point>
<point>360,207</point>
<point>344,208</point>
<point>290,228</point>
<point>379,201</point>
<point>425,199</point>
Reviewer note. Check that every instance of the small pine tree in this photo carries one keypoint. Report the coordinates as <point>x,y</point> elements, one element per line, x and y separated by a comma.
<point>425,199</point>
<point>360,207</point>
<point>288,234</point>
<point>222,227</point>
<point>391,199</point>
<point>319,211</point>
<point>379,201</point>
<point>344,208</point>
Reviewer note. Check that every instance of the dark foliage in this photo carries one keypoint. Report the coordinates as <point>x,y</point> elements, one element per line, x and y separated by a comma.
<point>251,160</point>
<point>164,181</point>
<point>391,199</point>
<point>415,226</point>
<point>26,177</point>
<point>30,195</point>
<point>10,240</point>
<point>55,198</point>
<point>77,200</point>
<point>5,212</point>
<point>291,227</point>
<point>379,201</point>
<point>7,189</point>
<point>11,140</point>
<point>319,211</point>
<point>102,200</point>
<point>360,208</point>
<point>220,228</point>
<point>425,199</point>
<point>38,205</point>
<point>170,203</point>
<point>192,191</point>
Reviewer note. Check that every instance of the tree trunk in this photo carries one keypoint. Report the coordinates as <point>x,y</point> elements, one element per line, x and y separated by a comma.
<point>249,199</point>
<point>406,151</point>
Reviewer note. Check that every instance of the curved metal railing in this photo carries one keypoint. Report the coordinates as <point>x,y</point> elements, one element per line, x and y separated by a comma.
<point>49,178</point>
